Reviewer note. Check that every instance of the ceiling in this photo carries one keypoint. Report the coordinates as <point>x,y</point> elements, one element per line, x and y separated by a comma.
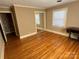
<point>34,3</point>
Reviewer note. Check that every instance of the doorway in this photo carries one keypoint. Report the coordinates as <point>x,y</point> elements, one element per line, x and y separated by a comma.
<point>40,21</point>
<point>7,25</point>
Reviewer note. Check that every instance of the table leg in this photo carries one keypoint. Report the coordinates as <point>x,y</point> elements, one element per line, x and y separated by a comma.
<point>69,34</point>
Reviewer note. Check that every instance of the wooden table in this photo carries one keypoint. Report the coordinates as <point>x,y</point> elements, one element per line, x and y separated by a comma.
<point>71,30</point>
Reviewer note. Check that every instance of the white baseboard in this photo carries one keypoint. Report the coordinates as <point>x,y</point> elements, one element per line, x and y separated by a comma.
<point>40,28</point>
<point>21,37</point>
<point>9,32</point>
<point>57,32</point>
<point>64,34</point>
<point>53,31</point>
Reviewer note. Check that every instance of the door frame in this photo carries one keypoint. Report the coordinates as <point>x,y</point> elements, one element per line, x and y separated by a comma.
<point>44,18</point>
<point>1,25</point>
<point>3,32</point>
<point>3,35</point>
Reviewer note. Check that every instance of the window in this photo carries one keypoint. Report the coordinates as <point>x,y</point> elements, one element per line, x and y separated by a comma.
<point>59,17</point>
<point>37,18</point>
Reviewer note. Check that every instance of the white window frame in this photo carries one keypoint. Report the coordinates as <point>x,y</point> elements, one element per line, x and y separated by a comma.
<point>65,18</point>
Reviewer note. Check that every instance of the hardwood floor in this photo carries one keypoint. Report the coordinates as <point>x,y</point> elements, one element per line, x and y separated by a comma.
<point>44,45</point>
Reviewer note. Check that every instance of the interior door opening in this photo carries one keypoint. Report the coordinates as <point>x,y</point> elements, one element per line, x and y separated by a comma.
<point>40,21</point>
<point>7,25</point>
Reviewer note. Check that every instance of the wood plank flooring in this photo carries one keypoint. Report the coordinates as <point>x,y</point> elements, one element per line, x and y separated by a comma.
<point>44,45</point>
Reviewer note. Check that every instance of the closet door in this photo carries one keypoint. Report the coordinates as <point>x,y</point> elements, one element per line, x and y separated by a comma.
<point>2,30</point>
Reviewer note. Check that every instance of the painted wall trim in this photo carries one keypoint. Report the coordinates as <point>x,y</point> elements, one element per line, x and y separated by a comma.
<point>25,36</point>
<point>4,7</point>
<point>5,11</point>
<point>19,5</point>
<point>39,12</point>
<point>56,32</point>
